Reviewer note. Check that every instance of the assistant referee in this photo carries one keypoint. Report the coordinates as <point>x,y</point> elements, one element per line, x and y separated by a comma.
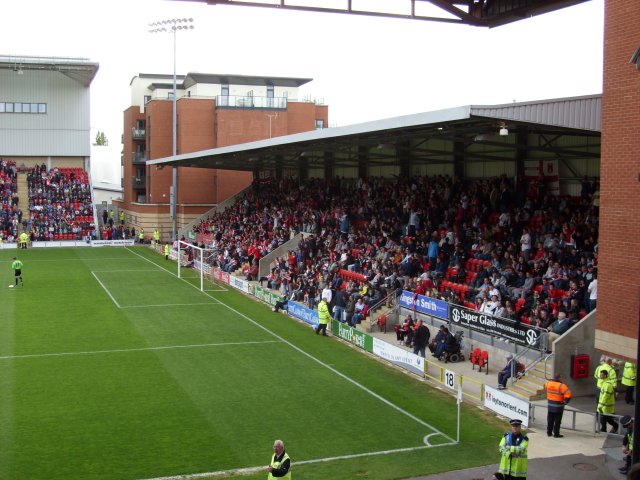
<point>17,268</point>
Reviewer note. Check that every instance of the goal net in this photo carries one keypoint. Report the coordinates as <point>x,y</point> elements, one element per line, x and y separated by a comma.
<point>194,263</point>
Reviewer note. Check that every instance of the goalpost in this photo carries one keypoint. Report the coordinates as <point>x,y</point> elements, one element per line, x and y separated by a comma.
<point>194,262</point>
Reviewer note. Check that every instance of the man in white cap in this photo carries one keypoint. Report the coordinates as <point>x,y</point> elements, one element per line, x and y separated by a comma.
<point>505,373</point>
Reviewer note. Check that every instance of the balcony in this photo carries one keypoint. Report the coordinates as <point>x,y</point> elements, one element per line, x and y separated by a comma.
<point>139,182</point>
<point>251,103</point>
<point>138,158</point>
<point>138,133</point>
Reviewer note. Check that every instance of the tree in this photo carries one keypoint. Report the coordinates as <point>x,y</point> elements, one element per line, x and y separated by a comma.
<point>101,139</point>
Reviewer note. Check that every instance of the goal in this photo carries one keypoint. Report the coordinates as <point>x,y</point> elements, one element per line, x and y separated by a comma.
<point>194,263</point>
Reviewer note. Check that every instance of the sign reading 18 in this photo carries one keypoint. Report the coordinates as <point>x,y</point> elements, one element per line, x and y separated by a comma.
<point>450,379</point>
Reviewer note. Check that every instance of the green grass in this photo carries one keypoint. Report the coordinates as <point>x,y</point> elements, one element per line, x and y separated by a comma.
<point>113,368</point>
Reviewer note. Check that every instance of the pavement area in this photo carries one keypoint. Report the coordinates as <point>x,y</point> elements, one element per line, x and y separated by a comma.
<point>589,455</point>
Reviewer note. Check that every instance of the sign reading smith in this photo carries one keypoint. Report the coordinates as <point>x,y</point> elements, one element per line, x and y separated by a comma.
<point>520,333</point>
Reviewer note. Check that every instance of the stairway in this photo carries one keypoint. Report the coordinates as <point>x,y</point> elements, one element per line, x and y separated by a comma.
<point>23,197</point>
<point>531,385</point>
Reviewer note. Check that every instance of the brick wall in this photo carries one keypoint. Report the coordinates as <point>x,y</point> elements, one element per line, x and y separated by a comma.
<point>619,260</point>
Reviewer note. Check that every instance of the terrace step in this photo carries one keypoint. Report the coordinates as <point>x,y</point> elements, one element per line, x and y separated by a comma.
<point>531,385</point>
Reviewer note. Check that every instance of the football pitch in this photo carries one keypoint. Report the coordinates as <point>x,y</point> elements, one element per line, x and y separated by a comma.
<point>112,367</point>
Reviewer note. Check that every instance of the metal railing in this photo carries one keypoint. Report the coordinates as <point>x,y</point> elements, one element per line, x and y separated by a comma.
<point>250,102</point>
<point>580,421</point>
<point>138,157</point>
<point>373,320</point>
<point>470,387</point>
<point>139,182</point>
<point>138,133</point>
<point>527,366</point>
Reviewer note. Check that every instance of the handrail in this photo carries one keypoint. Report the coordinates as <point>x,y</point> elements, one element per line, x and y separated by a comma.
<point>546,360</point>
<point>375,306</point>
<point>534,362</point>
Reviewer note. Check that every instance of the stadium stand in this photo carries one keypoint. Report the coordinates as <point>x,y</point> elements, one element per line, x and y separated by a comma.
<point>365,232</point>
<point>60,206</point>
<point>10,214</point>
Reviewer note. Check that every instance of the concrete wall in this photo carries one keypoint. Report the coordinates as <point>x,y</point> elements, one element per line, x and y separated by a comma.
<point>580,339</point>
<point>266,261</point>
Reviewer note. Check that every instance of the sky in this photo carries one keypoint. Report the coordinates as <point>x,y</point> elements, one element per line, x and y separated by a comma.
<point>363,68</point>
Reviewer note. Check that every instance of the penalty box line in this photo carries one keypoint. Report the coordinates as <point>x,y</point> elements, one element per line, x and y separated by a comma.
<point>129,350</point>
<point>220,289</point>
<point>323,364</point>
<point>122,307</point>
<point>252,470</point>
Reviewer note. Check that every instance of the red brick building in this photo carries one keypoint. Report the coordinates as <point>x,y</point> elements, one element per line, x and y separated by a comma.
<point>619,255</point>
<point>212,111</point>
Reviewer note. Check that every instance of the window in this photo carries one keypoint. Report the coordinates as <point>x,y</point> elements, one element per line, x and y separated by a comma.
<point>147,99</point>
<point>224,90</point>
<point>319,124</point>
<point>270,91</point>
<point>23,107</point>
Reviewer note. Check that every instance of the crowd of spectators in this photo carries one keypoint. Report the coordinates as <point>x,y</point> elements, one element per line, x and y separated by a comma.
<point>517,251</point>
<point>10,213</point>
<point>60,206</point>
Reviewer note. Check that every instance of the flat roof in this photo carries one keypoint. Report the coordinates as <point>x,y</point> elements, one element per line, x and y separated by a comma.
<point>82,70</point>
<point>466,125</point>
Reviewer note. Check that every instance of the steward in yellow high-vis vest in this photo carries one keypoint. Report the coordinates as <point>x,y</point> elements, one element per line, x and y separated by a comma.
<point>605,365</point>
<point>627,443</point>
<point>167,250</point>
<point>514,452</point>
<point>607,404</point>
<point>280,466</point>
<point>323,317</point>
<point>629,381</point>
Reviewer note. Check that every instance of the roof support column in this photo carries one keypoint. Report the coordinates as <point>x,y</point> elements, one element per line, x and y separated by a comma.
<point>403,152</point>
<point>458,159</point>
<point>303,169</point>
<point>522,139</point>
<point>363,160</point>
<point>328,166</point>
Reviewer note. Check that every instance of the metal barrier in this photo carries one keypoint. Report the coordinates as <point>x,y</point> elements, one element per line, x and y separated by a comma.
<point>586,422</point>
<point>438,373</point>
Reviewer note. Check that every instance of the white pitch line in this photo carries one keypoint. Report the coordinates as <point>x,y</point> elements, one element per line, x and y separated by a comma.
<point>171,305</point>
<point>120,271</point>
<point>129,350</point>
<point>325,365</point>
<point>105,289</point>
<point>251,470</point>
<point>171,273</point>
<point>38,260</point>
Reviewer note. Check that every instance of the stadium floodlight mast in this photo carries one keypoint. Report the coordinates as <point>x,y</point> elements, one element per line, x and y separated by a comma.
<point>173,26</point>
